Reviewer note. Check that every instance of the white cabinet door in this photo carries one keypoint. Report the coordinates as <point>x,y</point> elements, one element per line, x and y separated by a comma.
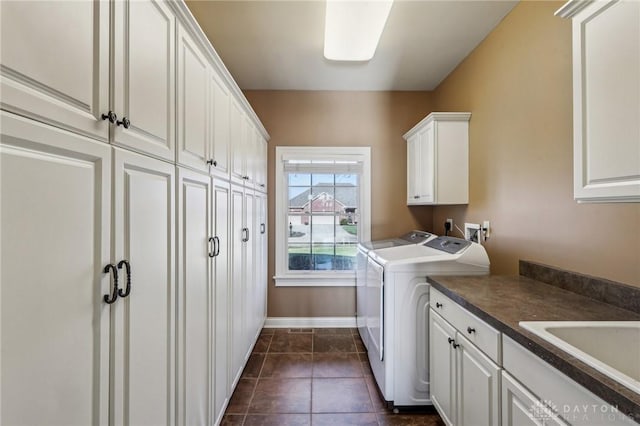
<point>606,107</point>
<point>221,347</point>
<point>195,299</point>
<point>261,260</point>
<point>144,76</point>
<point>249,268</point>
<point>55,63</point>
<point>219,141</point>
<point>238,289</point>
<point>55,227</point>
<point>237,133</point>
<point>144,341</point>
<point>478,386</point>
<point>426,164</point>
<point>442,367</point>
<point>261,179</point>
<point>521,408</point>
<point>413,169</point>
<point>193,104</point>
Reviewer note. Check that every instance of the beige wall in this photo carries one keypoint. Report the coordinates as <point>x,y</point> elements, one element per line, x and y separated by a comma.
<point>376,119</point>
<point>517,84</point>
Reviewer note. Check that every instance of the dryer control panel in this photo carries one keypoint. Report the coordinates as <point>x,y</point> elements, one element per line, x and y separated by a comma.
<point>449,245</point>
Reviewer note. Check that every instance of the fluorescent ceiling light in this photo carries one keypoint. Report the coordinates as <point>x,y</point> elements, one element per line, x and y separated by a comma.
<point>352,28</point>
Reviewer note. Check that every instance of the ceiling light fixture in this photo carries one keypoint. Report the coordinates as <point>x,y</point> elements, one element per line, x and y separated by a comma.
<point>352,28</point>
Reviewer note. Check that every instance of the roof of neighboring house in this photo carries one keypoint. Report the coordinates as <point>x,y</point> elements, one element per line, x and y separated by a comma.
<point>344,194</point>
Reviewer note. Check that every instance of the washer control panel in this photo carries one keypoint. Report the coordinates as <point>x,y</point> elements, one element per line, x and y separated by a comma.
<point>449,245</point>
<point>416,237</point>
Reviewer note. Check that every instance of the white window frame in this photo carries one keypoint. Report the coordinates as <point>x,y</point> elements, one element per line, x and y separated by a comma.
<point>286,278</point>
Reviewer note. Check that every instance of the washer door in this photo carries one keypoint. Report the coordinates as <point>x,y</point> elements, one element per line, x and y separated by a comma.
<point>375,308</point>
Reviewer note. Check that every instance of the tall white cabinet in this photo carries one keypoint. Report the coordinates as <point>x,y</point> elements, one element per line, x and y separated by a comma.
<point>133,277</point>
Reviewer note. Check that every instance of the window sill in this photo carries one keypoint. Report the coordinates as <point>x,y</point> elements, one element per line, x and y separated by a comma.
<point>313,280</point>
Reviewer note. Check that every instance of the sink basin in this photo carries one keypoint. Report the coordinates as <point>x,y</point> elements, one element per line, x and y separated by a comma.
<point>611,347</point>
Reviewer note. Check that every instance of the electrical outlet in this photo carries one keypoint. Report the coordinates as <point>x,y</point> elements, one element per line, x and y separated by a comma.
<point>486,229</point>
<point>450,222</point>
<point>472,232</point>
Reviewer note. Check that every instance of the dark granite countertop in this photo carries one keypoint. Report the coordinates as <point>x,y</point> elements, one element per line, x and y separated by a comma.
<point>503,301</point>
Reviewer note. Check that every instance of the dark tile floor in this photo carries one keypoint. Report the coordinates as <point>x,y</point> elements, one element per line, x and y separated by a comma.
<point>312,377</point>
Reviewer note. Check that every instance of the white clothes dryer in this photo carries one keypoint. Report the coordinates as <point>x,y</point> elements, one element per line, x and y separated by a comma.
<point>399,332</point>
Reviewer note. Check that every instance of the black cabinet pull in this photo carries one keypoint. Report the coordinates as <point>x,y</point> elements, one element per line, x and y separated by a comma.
<point>247,234</point>
<point>450,340</point>
<point>454,344</point>
<point>127,267</point>
<point>111,116</point>
<point>216,245</point>
<point>125,122</point>
<point>114,295</point>
<point>212,162</point>
<point>263,228</point>
<point>471,330</point>
<point>212,241</point>
<point>438,305</point>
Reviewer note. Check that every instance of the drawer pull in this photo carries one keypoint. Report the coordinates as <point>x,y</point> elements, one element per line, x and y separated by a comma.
<point>438,305</point>
<point>450,340</point>
<point>471,330</point>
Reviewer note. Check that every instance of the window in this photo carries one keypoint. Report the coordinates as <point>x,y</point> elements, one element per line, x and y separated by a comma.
<point>322,212</point>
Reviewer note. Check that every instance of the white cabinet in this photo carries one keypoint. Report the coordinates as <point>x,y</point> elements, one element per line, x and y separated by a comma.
<point>196,308</point>
<point>57,192</point>
<point>222,296</point>
<point>144,77</point>
<point>438,159</point>
<point>64,78</point>
<point>521,408</point>
<point>189,301</point>
<point>465,383</point>
<point>237,136</point>
<point>442,362</point>
<point>220,128</point>
<point>55,189</point>
<point>194,114</point>
<point>143,328</point>
<point>566,400</point>
<point>606,104</point>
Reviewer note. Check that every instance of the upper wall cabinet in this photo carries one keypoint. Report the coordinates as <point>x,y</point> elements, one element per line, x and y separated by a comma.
<point>438,159</point>
<point>606,99</point>
<point>64,78</point>
<point>144,77</point>
<point>193,104</point>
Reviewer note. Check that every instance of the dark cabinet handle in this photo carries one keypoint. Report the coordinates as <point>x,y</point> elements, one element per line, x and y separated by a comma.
<point>212,241</point>
<point>438,305</point>
<point>125,122</point>
<point>416,196</point>
<point>263,228</point>
<point>212,162</point>
<point>247,234</point>
<point>127,267</point>
<point>111,116</point>
<point>450,340</point>
<point>114,295</point>
<point>471,330</point>
<point>262,185</point>
<point>216,245</point>
<point>454,344</point>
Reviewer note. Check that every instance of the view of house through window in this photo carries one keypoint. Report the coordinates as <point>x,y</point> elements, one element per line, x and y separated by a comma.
<point>323,213</point>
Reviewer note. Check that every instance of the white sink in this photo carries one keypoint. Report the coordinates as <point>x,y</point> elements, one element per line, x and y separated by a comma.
<point>611,347</point>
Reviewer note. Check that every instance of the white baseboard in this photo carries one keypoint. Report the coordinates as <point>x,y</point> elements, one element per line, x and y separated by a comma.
<point>310,322</point>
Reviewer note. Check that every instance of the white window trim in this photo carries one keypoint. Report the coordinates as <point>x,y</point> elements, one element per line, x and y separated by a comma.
<point>283,277</point>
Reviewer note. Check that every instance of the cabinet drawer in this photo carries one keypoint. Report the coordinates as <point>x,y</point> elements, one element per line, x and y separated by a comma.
<point>485,337</point>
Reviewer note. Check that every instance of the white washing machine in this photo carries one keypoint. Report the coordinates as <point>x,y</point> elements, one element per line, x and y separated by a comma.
<point>410,238</point>
<point>399,332</point>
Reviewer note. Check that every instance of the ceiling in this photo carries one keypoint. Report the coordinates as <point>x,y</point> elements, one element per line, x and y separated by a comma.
<point>278,45</point>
